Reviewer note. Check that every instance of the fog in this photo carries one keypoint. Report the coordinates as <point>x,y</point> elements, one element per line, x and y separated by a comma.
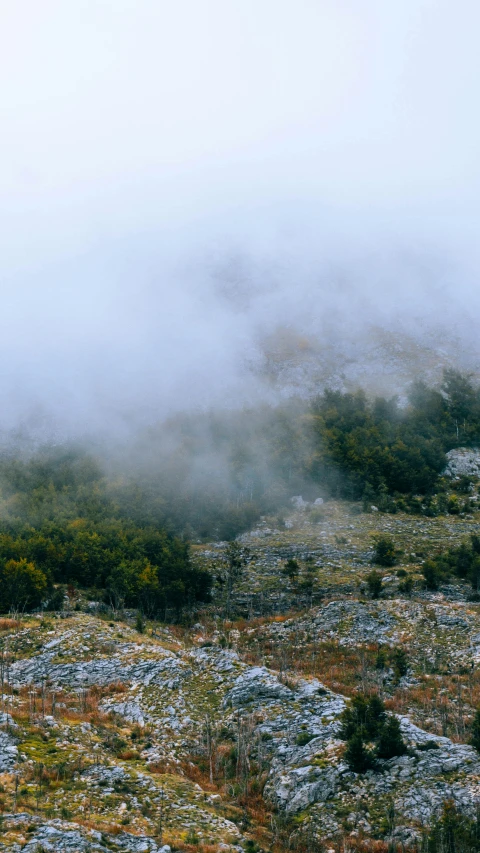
<point>182,182</point>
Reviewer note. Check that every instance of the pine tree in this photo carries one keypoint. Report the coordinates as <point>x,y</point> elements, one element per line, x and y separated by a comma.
<point>390,742</point>
<point>375,716</point>
<point>364,714</point>
<point>357,756</point>
<point>400,662</point>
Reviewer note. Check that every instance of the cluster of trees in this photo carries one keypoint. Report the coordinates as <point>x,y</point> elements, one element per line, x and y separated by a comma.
<point>373,449</point>
<point>61,525</point>
<point>462,562</point>
<point>452,832</point>
<point>23,586</point>
<point>370,733</point>
<point>212,474</point>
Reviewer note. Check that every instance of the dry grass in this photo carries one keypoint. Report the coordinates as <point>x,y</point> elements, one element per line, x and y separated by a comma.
<point>165,768</point>
<point>444,705</point>
<point>129,755</point>
<point>196,774</point>
<point>340,668</point>
<point>7,624</point>
<point>109,689</point>
<point>100,826</point>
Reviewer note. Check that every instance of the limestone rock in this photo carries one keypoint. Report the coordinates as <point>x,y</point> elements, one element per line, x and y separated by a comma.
<point>463,461</point>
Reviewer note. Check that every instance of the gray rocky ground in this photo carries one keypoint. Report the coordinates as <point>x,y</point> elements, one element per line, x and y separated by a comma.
<point>115,740</point>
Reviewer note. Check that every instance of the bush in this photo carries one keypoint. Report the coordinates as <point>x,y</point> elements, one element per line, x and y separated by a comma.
<point>384,552</point>
<point>251,846</point>
<point>453,506</point>
<point>463,561</point>
<point>406,586</point>
<point>428,744</point>
<point>431,574</point>
<point>291,569</point>
<point>464,485</point>
<point>303,738</point>
<point>22,585</point>
<point>374,583</point>
<point>453,832</point>
<point>400,662</point>
<point>56,599</point>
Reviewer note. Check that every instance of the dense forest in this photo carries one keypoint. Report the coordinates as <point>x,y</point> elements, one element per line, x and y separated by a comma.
<point>121,528</point>
<point>61,526</point>
<point>380,447</point>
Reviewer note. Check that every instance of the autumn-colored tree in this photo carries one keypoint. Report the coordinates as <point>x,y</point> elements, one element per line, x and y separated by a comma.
<point>22,585</point>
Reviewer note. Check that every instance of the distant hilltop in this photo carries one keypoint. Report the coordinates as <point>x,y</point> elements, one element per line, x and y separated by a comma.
<point>380,361</point>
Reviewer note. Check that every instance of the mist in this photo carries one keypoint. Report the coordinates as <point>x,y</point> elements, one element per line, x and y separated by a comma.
<point>223,204</point>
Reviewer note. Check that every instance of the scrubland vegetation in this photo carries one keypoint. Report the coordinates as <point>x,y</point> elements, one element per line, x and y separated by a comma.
<point>176,575</point>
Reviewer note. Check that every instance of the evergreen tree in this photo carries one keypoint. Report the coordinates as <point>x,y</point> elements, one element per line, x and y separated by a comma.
<point>365,715</point>
<point>390,742</point>
<point>374,583</point>
<point>400,662</point>
<point>475,738</point>
<point>384,552</point>
<point>357,756</point>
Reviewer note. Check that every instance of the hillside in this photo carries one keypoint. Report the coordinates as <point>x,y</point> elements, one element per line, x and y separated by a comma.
<point>381,359</point>
<point>227,734</point>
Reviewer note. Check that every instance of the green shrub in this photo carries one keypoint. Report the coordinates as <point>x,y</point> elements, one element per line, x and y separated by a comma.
<point>428,744</point>
<point>291,568</point>
<point>192,837</point>
<point>406,586</point>
<point>22,585</point>
<point>432,575</point>
<point>374,583</point>
<point>365,720</point>
<point>56,600</point>
<point>384,552</point>
<point>303,738</point>
<point>400,662</point>
<point>453,832</point>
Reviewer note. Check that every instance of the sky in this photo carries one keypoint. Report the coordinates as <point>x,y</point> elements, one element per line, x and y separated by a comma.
<point>178,180</point>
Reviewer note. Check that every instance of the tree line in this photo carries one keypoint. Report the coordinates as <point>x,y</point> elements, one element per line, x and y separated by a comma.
<point>60,526</point>
<point>212,474</point>
<point>121,527</point>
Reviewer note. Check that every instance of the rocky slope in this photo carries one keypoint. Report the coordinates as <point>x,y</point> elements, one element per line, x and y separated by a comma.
<point>227,735</point>
<point>372,356</point>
